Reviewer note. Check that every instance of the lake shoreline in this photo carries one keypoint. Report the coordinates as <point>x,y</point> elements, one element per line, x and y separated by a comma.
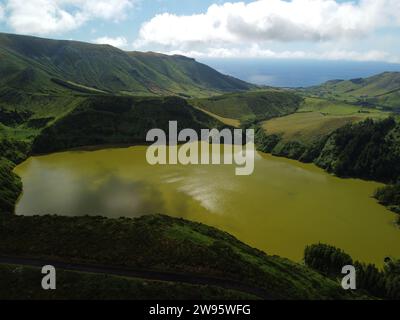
<point>96,147</point>
<point>92,180</point>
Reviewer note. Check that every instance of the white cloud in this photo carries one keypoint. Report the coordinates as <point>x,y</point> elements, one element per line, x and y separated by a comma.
<point>270,20</point>
<point>255,52</point>
<point>56,16</point>
<point>372,55</point>
<point>106,9</point>
<point>1,12</point>
<point>41,17</point>
<point>119,42</point>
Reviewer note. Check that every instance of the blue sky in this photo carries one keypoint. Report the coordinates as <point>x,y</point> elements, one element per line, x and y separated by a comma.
<point>363,30</point>
<point>140,12</point>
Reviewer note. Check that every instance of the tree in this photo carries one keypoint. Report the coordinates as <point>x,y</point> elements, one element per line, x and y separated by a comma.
<point>326,259</point>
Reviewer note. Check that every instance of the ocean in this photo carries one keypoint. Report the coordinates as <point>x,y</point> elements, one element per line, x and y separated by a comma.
<point>296,73</point>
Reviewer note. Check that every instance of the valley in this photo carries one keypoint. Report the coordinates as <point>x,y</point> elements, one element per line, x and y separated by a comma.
<point>58,99</point>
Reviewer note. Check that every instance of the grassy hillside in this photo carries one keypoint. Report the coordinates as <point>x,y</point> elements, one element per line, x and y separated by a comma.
<point>119,120</point>
<point>381,91</point>
<point>257,105</point>
<point>161,243</point>
<point>188,73</point>
<point>317,118</point>
<point>43,81</point>
<point>36,65</point>
<point>34,106</point>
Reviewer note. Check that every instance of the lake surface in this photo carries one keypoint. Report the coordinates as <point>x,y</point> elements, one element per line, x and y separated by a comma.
<point>281,208</point>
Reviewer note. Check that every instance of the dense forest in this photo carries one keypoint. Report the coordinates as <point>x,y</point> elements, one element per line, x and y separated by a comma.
<point>12,152</point>
<point>368,150</point>
<point>329,261</point>
<point>390,196</point>
<point>10,187</point>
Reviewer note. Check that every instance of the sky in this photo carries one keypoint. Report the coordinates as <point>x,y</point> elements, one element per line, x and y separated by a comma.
<point>334,30</point>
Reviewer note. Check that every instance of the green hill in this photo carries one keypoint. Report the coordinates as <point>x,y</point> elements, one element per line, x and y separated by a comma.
<point>154,244</point>
<point>189,73</point>
<point>258,105</point>
<point>39,65</point>
<point>43,81</point>
<point>382,90</point>
<point>102,120</point>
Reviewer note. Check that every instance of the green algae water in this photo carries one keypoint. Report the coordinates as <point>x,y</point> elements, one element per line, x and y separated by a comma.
<point>281,208</point>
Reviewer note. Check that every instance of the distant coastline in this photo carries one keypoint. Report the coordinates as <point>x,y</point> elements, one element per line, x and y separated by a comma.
<point>297,73</point>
